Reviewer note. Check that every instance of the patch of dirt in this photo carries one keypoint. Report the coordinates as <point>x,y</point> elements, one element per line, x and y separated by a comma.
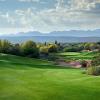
<point>73,64</point>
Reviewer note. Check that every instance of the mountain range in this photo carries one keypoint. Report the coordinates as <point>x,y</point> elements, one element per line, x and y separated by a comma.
<point>60,36</point>
<point>73,33</point>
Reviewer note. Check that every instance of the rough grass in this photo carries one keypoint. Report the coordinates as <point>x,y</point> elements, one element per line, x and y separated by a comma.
<point>30,79</point>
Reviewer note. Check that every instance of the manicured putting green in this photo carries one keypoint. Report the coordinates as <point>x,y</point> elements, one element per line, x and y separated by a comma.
<point>77,55</point>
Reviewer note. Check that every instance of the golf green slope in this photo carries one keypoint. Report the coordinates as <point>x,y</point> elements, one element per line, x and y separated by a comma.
<point>30,79</point>
<point>77,55</point>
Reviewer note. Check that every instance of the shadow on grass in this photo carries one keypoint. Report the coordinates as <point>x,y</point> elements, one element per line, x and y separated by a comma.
<point>16,65</point>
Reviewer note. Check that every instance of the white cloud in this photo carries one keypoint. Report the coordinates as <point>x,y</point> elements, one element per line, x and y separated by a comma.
<point>60,4</point>
<point>84,4</point>
<point>62,17</point>
<point>57,20</point>
<point>8,18</point>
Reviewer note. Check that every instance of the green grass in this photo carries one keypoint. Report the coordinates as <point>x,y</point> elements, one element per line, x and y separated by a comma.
<point>30,79</point>
<point>77,55</point>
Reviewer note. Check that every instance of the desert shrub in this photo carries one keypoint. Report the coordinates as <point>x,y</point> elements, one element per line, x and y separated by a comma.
<point>72,49</point>
<point>29,49</point>
<point>43,50</point>
<point>5,46</point>
<point>93,70</point>
<point>83,63</point>
<point>15,49</point>
<point>52,48</point>
<point>52,57</point>
<point>96,60</point>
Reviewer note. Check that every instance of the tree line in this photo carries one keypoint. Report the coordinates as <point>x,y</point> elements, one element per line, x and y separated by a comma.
<point>32,49</point>
<point>28,48</point>
<point>78,47</point>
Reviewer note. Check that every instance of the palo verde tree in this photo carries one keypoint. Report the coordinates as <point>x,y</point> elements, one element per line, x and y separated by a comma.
<point>30,49</point>
<point>5,46</point>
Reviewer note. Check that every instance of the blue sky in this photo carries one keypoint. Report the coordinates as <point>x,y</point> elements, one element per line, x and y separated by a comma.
<point>48,15</point>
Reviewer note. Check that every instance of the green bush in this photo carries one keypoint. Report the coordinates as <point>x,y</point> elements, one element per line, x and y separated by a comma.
<point>93,70</point>
<point>52,57</point>
<point>29,49</point>
<point>96,60</point>
<point>5,46</point>
<point>43,50</point>
<point>52,48</point>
